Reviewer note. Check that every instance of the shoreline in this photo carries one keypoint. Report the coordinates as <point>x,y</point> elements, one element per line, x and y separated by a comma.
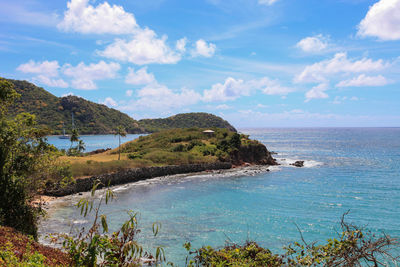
<point>235,171</point>
<point>131,175</point>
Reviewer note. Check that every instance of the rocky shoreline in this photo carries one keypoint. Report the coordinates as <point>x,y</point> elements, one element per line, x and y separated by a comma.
<point>130,176</point>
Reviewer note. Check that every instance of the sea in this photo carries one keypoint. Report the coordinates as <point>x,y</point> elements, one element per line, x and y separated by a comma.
<point>354,170</point>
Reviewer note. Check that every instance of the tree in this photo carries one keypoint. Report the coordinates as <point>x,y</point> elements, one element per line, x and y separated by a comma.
<point>121,133</point>
<point>25,157</point>
<point>74,137</point>
<point>81,146</point>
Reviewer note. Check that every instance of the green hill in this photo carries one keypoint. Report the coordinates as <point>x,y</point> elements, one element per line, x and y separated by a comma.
<point>92,118</point>
<point>53,112</point>
<point>186,120</point>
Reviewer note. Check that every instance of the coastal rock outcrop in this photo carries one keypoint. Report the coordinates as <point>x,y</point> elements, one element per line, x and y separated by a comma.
<point>253,153</point>
<point>299,163</point>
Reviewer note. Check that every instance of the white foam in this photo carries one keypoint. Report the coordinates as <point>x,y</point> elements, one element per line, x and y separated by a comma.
<point>286,162</point>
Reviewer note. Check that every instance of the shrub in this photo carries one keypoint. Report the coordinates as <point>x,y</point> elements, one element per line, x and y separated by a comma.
<point>194,143</point>
<point>179,148</point>
<point>98,247</point>
<point>135,156</point>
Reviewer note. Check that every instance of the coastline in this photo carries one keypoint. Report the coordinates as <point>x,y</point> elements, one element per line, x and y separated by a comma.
<point>235,171</point>
<point>131,175</point>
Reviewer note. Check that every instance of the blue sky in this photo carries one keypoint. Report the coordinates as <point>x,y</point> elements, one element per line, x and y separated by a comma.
<point>256,63</point>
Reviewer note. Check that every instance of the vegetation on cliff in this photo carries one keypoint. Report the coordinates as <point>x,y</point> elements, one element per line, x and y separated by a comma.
<point>186,120</point>
<point>56,112</point>
<point>192,145</point>
<point>175,147</point>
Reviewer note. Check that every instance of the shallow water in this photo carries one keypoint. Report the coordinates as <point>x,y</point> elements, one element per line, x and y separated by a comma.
<point>356,169</point>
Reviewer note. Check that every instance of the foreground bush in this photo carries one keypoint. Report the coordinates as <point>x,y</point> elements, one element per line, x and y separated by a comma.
<point>27,162</point>
<point>352,247</point>
<point>17,249</point>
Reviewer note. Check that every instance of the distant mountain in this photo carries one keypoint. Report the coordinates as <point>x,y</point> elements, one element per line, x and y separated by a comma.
<point>56,112</point>
<point>186,120</point>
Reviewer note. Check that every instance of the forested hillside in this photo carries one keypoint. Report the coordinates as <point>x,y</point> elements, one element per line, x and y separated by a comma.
<point>54,112</point>
<point>186,120</point>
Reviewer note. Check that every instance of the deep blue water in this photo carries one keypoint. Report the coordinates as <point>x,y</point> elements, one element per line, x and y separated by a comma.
<point>356,169</point>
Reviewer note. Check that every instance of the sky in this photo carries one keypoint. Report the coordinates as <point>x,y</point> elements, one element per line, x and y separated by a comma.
<point>256,63</point>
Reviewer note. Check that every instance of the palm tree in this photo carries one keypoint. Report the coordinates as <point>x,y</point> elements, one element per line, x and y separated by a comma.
<point>74,137</point>
<point>121,133</point>
<point>81,146</point>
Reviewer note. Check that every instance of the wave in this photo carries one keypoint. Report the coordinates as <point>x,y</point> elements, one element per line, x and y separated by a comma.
<point>286,162</point>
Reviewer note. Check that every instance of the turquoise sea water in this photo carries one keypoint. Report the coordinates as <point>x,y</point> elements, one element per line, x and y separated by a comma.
<point>356,169</point>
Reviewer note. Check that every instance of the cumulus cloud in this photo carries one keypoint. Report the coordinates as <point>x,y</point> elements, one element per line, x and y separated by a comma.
<point>48,68</point>
<point>267,2</point>
<point>382,21</point>
<point>84,75</point>
<point>46,71</point>
<point>317,92</point>
<point>84,18</point>
<point>144,48</point>
<point>364,80</point>
<point>313,44</point>
<point>50,82</point>
<point>232,89</point>
<point>319,72</point>
<point>109,102</point>
<point>156,96</point>
<point>203,49</point>
<point>181,45</point>
<point>140,77</point>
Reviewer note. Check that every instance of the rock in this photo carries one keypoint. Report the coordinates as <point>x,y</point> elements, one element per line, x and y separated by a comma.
<point>299,163</point>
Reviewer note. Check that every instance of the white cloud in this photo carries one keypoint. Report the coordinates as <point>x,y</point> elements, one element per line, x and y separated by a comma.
<point>144,48</point>
<point>140,77</point>
<point>267,2</point>
<point>46,71</point>
<point>382,21</point>
<point>229,90</point>
<point>159,97</point>
<point>318,72</point>
<point>364,80</point>
<point>48,68</point>
<point>317,92</point>
<point>109,102</point>
<point>232,89</point>
<point>223,107</point>
<point>51,82</point>
<point>103,19</point>
<point>181,45</point>
<point>203,49</point>
<point>84,75</point>
<point>313,44</point>
<point>270,87</point>
<point>129,93</point>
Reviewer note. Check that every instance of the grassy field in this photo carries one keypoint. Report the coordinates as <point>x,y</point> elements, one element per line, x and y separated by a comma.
<point>169,147</point>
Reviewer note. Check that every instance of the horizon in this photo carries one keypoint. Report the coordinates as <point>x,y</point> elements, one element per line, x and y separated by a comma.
<point>255,63</point>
